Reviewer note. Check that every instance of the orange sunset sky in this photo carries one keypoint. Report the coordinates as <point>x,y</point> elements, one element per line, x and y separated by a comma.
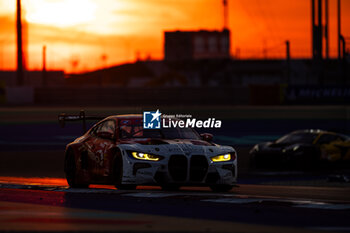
<point>83,35</point>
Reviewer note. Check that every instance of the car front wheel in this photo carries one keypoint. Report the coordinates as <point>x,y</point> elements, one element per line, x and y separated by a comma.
<point>170,187</point>
<point>221,187</point>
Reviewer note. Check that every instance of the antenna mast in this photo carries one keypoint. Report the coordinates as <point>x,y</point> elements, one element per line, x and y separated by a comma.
<point>225,3</point>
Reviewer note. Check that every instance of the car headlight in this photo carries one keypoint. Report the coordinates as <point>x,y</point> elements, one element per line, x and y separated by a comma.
<point>221,158</point>
<point>254,149</point>
<point>291,148</point>
<point>145,156</point>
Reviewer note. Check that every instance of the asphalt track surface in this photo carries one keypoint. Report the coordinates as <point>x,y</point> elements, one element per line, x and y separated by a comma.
<point>41,204</point>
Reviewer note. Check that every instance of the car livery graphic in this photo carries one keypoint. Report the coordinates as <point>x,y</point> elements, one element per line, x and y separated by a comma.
<point>118,150</point>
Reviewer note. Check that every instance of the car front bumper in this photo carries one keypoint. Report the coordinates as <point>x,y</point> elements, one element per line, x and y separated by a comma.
<point>179,169</point>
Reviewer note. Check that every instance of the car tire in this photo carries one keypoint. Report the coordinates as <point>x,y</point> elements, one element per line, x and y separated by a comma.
<point>221,187</point>
<point>170,187</point>
<point>118,174</point>
<point>70,169</point>
<point>252,162</point>
<point>126,187</point>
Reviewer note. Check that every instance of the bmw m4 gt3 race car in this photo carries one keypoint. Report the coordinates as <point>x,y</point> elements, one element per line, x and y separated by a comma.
<point>119,151</point>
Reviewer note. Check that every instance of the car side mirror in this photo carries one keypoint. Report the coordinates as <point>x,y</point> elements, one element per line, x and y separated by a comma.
<point>105,135</point>
<point>207,137</point>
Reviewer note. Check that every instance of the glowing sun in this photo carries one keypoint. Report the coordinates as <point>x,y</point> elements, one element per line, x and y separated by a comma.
<point>60,13</point>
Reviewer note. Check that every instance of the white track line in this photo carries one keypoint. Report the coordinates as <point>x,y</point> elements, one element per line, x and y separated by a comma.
<point>150,195</point>
<point>326,206</point>
<point>234,201</point>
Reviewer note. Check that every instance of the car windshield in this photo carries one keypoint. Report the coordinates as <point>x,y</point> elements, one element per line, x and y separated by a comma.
<point>137,131</point>
<point>293,138</point>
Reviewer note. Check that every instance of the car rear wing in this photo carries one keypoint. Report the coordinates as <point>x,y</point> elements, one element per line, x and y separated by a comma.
<point>62,118</point>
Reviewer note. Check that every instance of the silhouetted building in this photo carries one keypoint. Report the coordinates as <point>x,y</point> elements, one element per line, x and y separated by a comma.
<point>195,45</point>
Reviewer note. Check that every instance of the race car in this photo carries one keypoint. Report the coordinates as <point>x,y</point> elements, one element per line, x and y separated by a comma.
<point>300,149</point>
<point>119,151</point>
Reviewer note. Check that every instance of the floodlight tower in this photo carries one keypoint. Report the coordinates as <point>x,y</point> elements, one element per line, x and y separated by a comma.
<point>319,30</point>
<point>339,29</point>
<point>19,46</point>
<point>326,30</point>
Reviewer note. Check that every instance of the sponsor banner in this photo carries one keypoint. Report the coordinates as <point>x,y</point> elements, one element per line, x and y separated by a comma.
<point>317,95</point>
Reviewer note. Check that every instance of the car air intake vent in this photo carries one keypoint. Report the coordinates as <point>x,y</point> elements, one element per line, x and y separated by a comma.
<point>178,167</point>
<point>198,168</point>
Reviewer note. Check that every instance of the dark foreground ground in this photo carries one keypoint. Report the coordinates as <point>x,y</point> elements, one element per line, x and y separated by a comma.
<point>48,204</point>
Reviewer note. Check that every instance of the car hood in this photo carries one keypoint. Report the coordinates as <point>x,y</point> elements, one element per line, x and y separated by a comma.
<point>160,141</point>
<point>274,146</point>
<point>177,146</point>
